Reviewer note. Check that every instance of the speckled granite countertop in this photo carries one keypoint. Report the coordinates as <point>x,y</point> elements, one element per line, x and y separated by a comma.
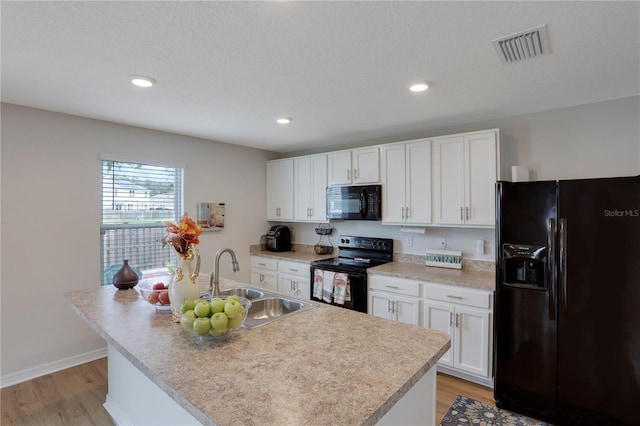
<point>302,253</point>
<point>323,366</point>
<point>458,277</point>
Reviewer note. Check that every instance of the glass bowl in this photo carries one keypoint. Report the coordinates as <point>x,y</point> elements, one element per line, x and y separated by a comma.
<point>158,297</point>
<point>206,325</point>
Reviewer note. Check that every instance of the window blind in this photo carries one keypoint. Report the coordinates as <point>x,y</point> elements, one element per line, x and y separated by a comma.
<point>136,201</point>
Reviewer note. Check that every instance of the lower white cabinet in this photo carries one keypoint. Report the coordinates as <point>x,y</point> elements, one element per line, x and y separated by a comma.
<point>264,273</point>
<point>294,279</point>
<point>466,315</point>
<point>396,299</point>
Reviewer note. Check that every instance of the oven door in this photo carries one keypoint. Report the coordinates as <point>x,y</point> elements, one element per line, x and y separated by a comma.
<point>357,282</point>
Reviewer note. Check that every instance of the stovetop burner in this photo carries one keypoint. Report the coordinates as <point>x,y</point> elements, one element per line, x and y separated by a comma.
<point>356,254</point>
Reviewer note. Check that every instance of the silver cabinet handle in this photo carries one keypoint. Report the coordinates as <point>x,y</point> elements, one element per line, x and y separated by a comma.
<point>406,212</point>
<point>262,264</point>
<point>454,297</point>
<point>391,286</point>
<point>403,212</point>
<point>388,305</point>
<point>348,174</point>
<point>355,173</point>
<point>457,317</point>
<point>451,319</point>
<point>293,270</point>
<point>467,209</point>
<point>461,213</point>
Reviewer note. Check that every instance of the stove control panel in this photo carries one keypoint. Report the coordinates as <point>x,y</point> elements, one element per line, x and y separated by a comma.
<point>368,243</point>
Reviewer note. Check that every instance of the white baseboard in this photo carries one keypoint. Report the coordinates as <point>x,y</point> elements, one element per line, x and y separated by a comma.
<point>51,367</point>
<point>468,377</point>
<point>117,415</point>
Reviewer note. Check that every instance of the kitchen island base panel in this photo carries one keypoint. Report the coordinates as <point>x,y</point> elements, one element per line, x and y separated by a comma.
<point>133,399</point>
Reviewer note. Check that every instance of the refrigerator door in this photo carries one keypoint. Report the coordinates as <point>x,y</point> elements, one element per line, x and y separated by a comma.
<point>525,306</point>
<point>599,301</point>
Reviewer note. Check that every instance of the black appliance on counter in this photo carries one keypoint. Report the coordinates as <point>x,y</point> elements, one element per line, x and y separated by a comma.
<point>356,254</point>
<point>279,238</point>
<point>567,306</point>
<point>354,202</point>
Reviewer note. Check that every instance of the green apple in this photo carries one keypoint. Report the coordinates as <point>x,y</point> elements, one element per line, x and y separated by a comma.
<point>219,322</point>
<point>234,297</point>
<point>202,308</point>
<point>188,305</point>
<point>201,326</point>
<point>233,308</point>
<point>187,318</point>
<point>235,322</point>
<point>218,333</point>
<point>217,305</point>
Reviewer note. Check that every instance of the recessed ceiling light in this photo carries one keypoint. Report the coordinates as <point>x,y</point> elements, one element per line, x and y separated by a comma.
<point>284,120</point>
<point>142,81</point>
<point>419,87</point>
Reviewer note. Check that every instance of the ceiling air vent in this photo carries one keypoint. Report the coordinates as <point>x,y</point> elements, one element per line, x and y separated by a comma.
<point>523,45</point>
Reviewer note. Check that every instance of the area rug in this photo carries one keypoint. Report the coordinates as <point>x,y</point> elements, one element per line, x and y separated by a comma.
<point>468,411</point>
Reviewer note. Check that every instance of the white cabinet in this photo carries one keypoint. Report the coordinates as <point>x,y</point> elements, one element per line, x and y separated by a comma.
<point>354,167</point>
<point>280,189</point>
<point>294,279</point>
<point>464,176</point>
<point>394,298</point>
<point>466,315</point>
<point>264,273</point>
<point>406,180</point>
<point>310,188</point>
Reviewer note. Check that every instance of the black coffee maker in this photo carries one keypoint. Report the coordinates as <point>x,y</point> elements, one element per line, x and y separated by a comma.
<point>279,238</point>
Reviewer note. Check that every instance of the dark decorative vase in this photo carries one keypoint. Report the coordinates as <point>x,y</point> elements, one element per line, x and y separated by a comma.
<point>126,277</point>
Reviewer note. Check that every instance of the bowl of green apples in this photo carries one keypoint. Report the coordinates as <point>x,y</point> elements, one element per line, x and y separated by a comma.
<point>214,319</point>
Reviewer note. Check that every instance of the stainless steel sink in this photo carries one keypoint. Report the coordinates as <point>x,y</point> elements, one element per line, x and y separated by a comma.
<point>269,309</point>
<point>246,292</point>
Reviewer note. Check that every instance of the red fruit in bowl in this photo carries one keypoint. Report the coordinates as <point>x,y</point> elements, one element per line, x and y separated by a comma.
<point>158,286</point>
<point>154,297</point>
<point>163,298</point>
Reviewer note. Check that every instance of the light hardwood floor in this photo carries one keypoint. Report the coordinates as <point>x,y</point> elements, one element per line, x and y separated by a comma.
<point>74,397</point>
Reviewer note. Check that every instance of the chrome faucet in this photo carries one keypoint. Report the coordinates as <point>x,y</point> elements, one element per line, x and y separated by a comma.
<point>214,282</point>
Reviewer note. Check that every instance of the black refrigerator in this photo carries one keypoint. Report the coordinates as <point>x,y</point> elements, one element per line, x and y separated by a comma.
<point>567,302</point>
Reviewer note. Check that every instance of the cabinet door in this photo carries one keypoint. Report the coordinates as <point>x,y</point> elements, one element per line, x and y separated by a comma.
<point>280,190</point>
<point>366,165</point>
<point>302,200</point>
<point>302,287</point>
<point>294,285</point>
<point>393,182</point>
<point>339,168</point>
<point>418,182</point>
<point>448,167</point>
<point>267,280</point>
<point>471,351</point>
<point>318,206</point>
<point>480,166</point>
<point>379,304</point>
<point>440,316</point>
<point>406,310</point>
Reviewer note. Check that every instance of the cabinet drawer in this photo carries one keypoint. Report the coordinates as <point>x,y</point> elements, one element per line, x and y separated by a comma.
<point>395,285</point>
<point>296,268</point>
<point>264,263</point>
<point>458,295</point>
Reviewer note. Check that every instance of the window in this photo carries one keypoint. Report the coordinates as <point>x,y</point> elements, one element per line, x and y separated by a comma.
<point>137,199</point>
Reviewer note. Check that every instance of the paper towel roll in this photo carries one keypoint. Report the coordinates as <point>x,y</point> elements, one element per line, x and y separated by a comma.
<point>519,173</point>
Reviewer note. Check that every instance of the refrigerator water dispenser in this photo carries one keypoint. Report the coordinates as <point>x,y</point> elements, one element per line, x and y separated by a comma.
<point>524,266</point>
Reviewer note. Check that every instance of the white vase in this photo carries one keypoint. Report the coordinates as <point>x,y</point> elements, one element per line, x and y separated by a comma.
<point>183,284</point>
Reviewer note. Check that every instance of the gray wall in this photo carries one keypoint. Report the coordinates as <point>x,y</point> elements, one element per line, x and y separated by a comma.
<point>51,221</point>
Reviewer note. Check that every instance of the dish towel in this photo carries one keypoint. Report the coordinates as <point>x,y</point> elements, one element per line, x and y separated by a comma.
<point>318,279</point>
<point>327,286</point>
<point>341,282</point>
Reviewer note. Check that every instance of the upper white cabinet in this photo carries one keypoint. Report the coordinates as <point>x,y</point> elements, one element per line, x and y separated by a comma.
<point>280,189</point>
<point>464,176</point>
<point>310,188</point>
<point>354,167</point>
<point>406,182</point>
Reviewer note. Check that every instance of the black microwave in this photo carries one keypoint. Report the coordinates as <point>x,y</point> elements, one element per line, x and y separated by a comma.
<point>354,202</point>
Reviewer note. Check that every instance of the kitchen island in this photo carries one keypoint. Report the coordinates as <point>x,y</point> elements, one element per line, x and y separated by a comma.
<point>322,366</point>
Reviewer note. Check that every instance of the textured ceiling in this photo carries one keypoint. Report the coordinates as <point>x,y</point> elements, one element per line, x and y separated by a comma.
<point>225,70</point>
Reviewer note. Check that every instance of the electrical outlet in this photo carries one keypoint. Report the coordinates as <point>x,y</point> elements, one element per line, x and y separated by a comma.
<point>409,241</point>
<point>442,243</point>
